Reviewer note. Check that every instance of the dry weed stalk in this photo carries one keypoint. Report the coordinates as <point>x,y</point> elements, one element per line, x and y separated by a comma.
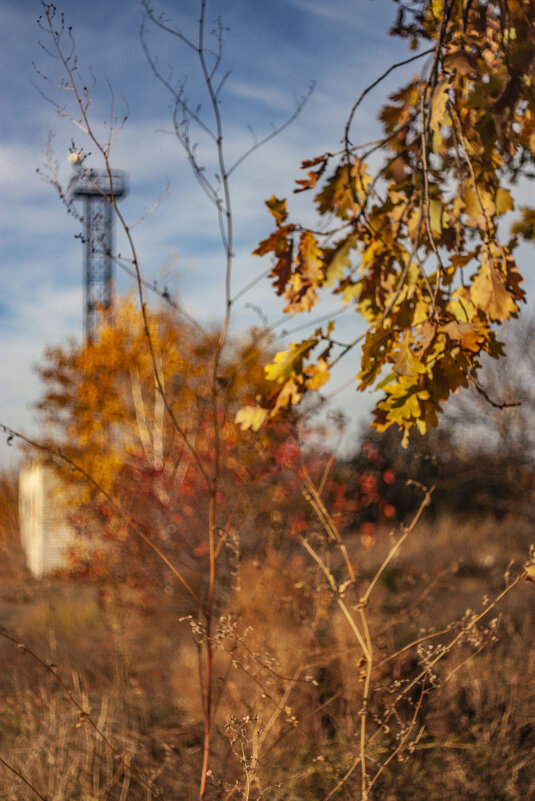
<point>429,656</point>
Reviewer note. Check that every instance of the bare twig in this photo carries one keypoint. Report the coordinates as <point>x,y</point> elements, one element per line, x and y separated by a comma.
<point>22,778</point>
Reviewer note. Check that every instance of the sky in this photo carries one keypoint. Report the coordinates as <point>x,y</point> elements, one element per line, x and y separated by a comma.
<point>273,52</point>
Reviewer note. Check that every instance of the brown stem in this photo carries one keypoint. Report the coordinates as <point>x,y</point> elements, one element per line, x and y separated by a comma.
<point>208,661</point>
<point>23,779</point>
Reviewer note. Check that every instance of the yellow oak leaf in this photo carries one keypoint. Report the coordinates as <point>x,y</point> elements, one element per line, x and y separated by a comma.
<point>277,208</point>
<point>251,417</point>
<point>309,259</point>
<point>288,362</point>
<point>469,336</point>
<point>290,395</point>
<point>490,294</point>
<point>438,217</point>
<point>504,202</point>
<point>319,374</point>
<point>438,105</point>
<point>479,207</point>
<point>405,362</point>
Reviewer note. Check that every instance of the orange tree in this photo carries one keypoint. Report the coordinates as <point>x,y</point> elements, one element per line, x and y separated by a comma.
<point>101,408</point>
<point>414,244</point>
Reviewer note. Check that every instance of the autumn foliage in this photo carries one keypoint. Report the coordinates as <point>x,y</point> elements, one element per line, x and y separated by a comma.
<point>415,244</point>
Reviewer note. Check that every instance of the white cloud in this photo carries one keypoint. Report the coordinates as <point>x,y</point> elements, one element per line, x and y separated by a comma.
<point>340,13</point>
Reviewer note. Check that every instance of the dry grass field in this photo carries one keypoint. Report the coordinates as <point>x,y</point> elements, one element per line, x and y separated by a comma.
<point>288,679</point>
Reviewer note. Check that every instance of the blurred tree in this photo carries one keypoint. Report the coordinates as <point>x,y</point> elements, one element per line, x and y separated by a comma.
<point>506,424</point>
<point>103,410</point>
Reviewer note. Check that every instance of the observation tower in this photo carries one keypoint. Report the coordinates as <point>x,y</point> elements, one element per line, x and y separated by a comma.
<point>97,192</point>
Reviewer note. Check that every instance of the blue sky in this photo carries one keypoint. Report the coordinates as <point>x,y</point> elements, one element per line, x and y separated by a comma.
<point>273,50</point>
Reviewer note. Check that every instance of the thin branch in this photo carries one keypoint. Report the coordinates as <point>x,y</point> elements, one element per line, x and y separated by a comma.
<point>165,26</point>
<point>251,284</point>
<point>21,777</point>
<point>164,295</point>
<point>313,496</point>
<point>482,391</point>
<point>177,94</point>
<point>338,595</point>
<point>446,649</point>
<point>222,82</point>
<point>298,109</point>
<point>426,500</point>
<point>369,88</point>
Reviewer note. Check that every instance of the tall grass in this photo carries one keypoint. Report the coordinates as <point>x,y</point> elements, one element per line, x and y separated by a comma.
<point>290,677</point>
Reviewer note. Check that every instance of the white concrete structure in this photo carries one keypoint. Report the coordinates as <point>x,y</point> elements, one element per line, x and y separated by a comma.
<point>45,534</point>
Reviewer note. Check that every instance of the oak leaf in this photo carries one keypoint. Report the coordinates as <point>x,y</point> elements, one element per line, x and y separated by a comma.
<point>251,417</point>
<point>490,294</point>
<point>310,263</point>
<point>289,362</point>
<point>278,209</point>
<point>405,362</point>
<point>469,336</point>
<point>318,374</point>
<point>439,104</point>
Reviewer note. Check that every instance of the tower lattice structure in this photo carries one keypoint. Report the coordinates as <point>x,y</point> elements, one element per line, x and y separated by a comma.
<point>93,188</point>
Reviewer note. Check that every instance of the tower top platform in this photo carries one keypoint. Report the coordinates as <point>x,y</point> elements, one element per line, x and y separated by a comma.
<point>96,183</point>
